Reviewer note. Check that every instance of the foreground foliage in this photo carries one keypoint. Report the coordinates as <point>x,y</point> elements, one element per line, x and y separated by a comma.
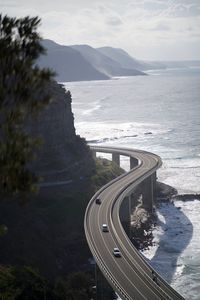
<point>25,283</point>
<point>21,96</point>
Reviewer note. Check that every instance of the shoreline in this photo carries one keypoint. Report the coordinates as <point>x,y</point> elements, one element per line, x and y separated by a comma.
<point>143,222</point>
<point>186,197</point>
<point>142,229</point>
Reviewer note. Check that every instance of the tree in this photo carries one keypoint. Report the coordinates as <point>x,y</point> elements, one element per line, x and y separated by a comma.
<point>76,287</point>
<point>22,283</point>
<point>22,96</point>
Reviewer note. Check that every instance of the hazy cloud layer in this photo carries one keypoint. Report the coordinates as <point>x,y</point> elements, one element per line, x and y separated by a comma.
<point>147,29</point>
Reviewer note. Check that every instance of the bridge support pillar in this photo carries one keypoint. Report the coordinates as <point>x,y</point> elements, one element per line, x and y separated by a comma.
<point>94,154</point>
<point>148,193</point>
<point>103,289</point>
<point>154,178</point>
<point>133,162</point>
<point>116,158</point>
<point>125,215</point>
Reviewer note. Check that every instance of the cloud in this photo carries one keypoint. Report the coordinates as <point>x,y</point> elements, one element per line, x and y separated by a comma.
<point>155,5</point>
<point>161,27</point>
<point>145,28</point>
<point>114,21</point>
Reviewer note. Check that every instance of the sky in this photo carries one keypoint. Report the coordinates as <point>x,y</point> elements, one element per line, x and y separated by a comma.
<point>146,29</point>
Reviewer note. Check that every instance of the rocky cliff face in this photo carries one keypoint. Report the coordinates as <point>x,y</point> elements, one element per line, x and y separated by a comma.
<point>63,155</point>
<point>47,233</point>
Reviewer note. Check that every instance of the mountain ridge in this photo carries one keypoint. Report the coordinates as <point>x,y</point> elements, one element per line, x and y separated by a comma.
<point>124,58</point>
<point>104,63</point>
<point>68,63</point>
<point>81,63</point>
<point>84,63</point>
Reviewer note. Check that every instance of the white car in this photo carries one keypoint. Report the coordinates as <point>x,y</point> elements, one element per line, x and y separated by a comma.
<point>104,227</point>
<point>116,252</point>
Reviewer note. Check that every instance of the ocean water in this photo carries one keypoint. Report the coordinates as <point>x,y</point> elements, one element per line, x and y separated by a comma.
<point>157,113</point>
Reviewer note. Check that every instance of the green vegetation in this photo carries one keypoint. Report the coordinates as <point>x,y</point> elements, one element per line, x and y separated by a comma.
<point>21,283</point>
<point>106,170</point>
<point>26,283</point>
<point>21,86</point>
<point>77,286</point>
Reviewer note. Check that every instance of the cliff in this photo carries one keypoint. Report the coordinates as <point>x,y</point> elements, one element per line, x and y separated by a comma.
<point>63,155</point>
<point>47,232</point>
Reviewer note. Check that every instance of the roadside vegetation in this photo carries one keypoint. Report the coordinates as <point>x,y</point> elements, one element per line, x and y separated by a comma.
<point>106,170</point>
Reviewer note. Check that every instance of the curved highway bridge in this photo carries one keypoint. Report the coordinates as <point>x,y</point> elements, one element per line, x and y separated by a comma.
<point>129,275</point>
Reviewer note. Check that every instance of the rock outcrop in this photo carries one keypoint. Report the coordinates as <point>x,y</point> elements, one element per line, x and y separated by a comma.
<point>63,155</point>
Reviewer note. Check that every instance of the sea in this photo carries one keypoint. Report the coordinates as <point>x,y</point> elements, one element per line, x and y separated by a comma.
<point>159,113</point>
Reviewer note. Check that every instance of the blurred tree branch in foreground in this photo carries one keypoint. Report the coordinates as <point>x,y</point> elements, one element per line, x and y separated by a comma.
<point>22,96</point>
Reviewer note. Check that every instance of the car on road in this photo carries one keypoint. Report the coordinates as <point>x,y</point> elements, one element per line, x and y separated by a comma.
<point>116,252</point>
<point>98,201</point>
<point>104,227</point>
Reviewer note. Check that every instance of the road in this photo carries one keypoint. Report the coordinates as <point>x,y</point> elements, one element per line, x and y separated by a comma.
<point>129,275</point>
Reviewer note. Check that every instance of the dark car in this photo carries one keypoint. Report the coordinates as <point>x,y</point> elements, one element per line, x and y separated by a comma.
<point>98,201</point>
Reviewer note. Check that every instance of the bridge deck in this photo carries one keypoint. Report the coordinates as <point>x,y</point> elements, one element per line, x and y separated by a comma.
<point>129,275</point>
